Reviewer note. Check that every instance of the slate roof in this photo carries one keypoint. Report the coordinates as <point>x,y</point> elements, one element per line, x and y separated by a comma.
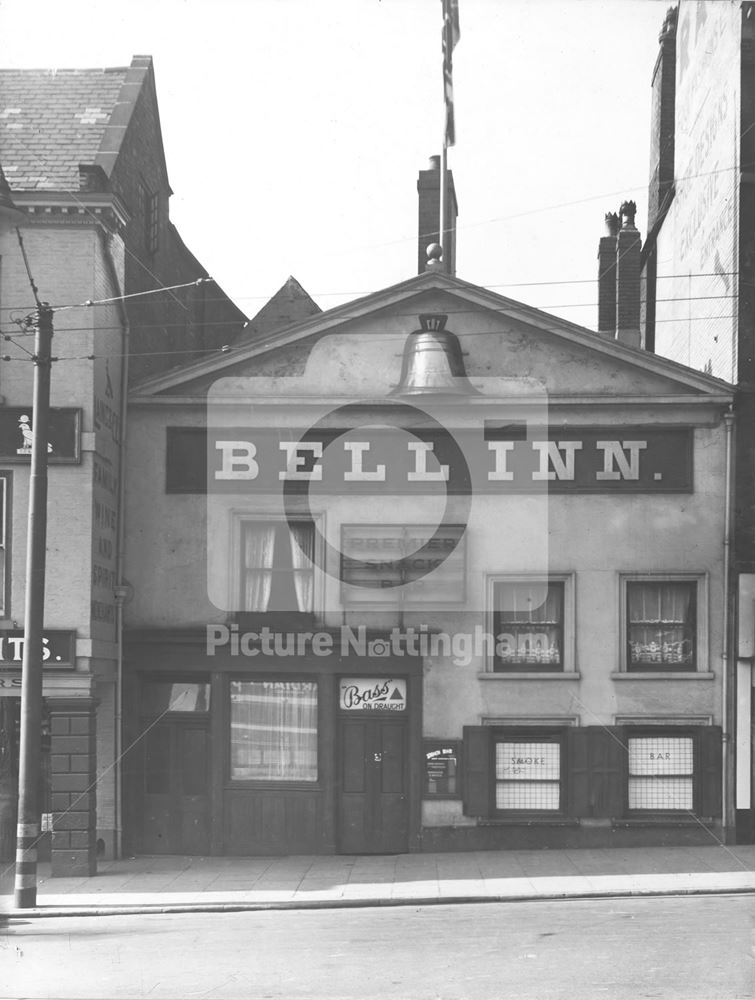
<point>53,120</point>
<point>290,304</point>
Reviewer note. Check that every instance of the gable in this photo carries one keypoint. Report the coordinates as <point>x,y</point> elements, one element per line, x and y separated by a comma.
<point>345,353</point>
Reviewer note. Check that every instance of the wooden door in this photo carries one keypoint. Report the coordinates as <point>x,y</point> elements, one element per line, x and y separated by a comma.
<point>373,806</point>
<point>176,816</point>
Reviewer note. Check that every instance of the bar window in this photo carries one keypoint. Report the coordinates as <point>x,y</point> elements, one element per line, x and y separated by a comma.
<point>273,731</point>
<point>661,773</point>
<point>661,625</point>
<point>277,566</point>
<point>528,774</point>
<point>528,620</point>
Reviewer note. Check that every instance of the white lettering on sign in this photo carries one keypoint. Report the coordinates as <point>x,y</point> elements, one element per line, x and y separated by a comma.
<point>296,463</point>
<point>10,684</point>
<point>550,453</point>
<point>358,473</point>
<point>238,460</point>
<point>568,463</point>
<point>421,473</point>
<point>614,455</point>
<point>370,694</point>
<point>501,451</point>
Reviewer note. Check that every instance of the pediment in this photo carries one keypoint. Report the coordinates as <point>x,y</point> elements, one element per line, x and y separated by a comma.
<point>357,348</point>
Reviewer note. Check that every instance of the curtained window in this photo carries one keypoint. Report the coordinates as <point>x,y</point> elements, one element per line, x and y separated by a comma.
<point>528,619</point>
<point>273,731</point>
<point>277,566</point>
<point>661,625</point>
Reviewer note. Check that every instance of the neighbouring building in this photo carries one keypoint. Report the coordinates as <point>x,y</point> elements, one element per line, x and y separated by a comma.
<point>698,269</point>
<point>82,153</point>
<point>430,570</point>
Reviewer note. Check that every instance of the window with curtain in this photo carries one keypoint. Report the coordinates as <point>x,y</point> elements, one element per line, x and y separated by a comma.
<point>277,569</point>
<point>273,730</point>
<point>661,625</point>
<point>528,620</point>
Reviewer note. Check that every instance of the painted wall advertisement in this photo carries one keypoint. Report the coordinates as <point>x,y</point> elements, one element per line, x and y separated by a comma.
<point>696,317</point>
<point>105,493</point>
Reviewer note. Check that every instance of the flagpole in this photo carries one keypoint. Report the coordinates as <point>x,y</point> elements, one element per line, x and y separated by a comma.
<point>443,222</point>
<point>450,37</point>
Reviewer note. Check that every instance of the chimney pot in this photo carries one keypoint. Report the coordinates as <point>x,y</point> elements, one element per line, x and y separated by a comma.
<point>612,224</point>
<point>628,211</point>
<point>434,163</point>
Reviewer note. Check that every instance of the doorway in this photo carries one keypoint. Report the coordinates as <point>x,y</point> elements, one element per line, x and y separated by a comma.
<point>176,767</point>
<point>176,789</point>
<point>373,801</point>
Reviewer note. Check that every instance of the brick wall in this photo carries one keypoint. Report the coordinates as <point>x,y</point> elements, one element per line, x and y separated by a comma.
<point>74,791</point>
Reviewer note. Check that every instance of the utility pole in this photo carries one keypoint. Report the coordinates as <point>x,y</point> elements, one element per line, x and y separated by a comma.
<point>27,833</point>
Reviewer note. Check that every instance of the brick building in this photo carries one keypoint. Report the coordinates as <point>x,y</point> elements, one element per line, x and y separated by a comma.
<point>83,155</point>
<point>698,275</point>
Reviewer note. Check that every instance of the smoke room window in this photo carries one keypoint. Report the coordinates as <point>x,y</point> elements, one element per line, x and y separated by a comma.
<point>273,730</point>
<point>528,773</point>
<point>661,773</point>
<point>528,622</point>
<point>661,625</point>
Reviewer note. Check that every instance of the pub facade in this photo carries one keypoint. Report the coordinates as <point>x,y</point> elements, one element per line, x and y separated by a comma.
<point>433,570</point>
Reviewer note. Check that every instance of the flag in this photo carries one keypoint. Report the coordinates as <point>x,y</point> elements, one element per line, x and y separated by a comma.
<point>451,34</point>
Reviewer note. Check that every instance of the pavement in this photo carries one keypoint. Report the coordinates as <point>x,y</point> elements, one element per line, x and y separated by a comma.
<point>171,884</point>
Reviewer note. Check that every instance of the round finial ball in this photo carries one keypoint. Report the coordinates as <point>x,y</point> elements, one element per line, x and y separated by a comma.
<point>434,251</point>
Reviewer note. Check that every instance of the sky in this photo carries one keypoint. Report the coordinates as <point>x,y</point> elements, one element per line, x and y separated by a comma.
<point>294,131</point>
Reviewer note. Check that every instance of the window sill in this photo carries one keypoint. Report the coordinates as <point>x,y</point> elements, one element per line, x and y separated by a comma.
<point>530,675</point>
<point>662,675</point>
<point>656,821</point>
<point>540,821</point>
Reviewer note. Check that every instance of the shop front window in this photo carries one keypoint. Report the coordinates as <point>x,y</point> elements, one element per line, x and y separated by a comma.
<point>273,730</point>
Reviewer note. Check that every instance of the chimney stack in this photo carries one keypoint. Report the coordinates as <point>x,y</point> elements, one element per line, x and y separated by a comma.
<point>607,278</point>
<point>662,120</point>
<point>428,191</point>
<point>619,286</point>
<point>628,246</point>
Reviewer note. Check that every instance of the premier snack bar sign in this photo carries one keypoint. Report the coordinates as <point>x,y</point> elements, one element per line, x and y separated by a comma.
<point>606,459</point>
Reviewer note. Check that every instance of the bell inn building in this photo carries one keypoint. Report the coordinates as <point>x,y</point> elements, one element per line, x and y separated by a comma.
<point>431,570</point>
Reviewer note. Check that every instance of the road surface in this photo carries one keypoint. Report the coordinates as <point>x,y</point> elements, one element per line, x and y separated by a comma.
<point>686,948</point>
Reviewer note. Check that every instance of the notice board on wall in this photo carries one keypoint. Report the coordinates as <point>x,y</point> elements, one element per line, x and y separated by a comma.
<point>442,769</point>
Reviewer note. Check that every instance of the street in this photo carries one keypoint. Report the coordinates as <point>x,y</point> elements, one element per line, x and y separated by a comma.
<point>686,948</point>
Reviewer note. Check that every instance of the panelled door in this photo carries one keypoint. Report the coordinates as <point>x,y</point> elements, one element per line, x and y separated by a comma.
<point>176,817</point>
<point>373,800</point>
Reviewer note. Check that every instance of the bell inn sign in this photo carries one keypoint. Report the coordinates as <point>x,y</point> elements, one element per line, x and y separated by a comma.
<point>494,459</point>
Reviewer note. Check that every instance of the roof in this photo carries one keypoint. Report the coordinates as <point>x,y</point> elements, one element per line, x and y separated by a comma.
<point>290,304</point>
<point>53,120</point>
